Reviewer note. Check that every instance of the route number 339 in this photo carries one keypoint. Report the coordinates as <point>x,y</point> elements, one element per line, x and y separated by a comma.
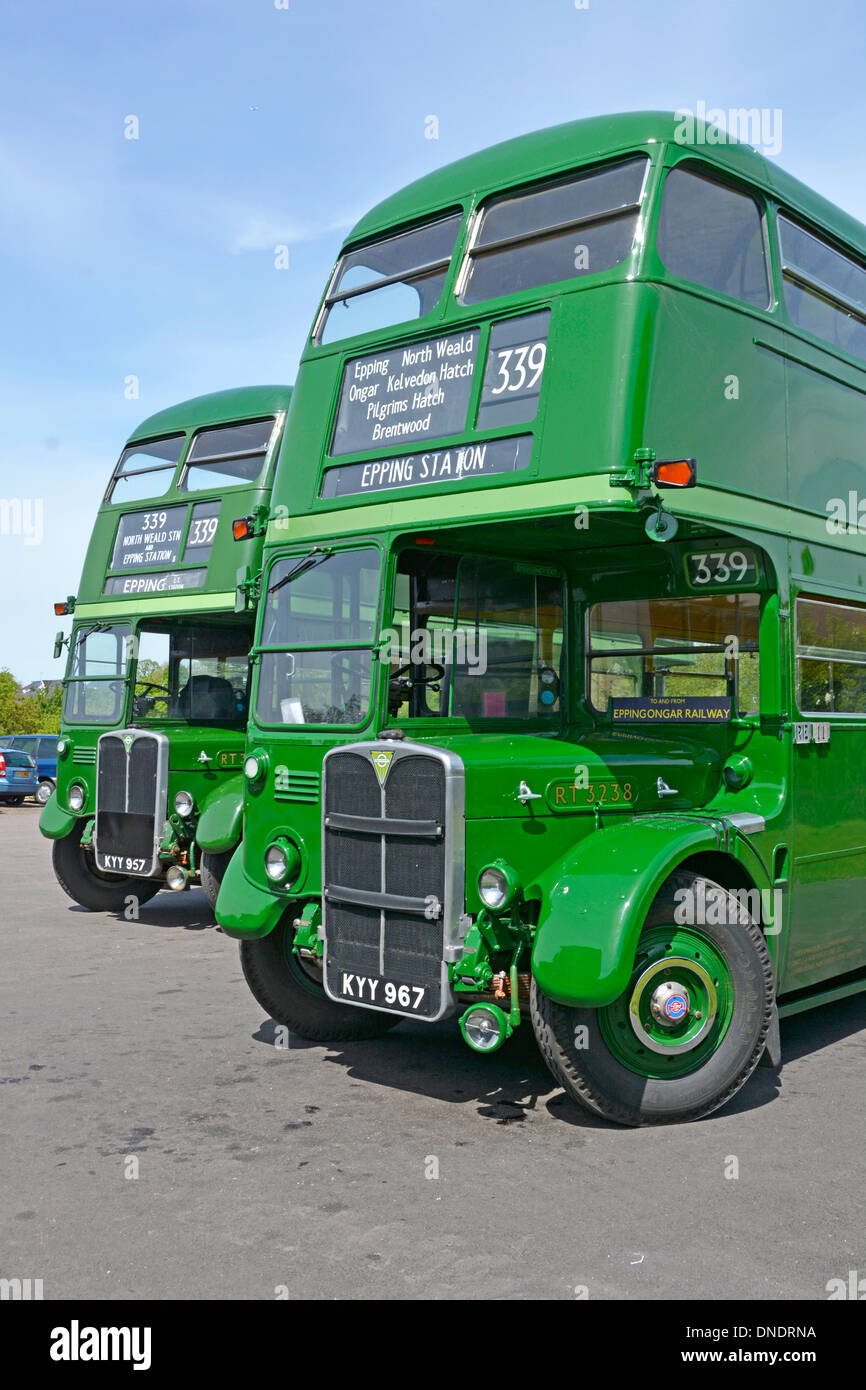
<point>520,368</point>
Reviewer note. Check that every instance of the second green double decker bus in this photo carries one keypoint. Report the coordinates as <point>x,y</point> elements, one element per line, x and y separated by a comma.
<point>559,695</point>
<point>149,791</point>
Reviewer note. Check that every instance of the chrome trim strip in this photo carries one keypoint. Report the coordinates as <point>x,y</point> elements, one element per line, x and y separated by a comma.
<point>748,822</point>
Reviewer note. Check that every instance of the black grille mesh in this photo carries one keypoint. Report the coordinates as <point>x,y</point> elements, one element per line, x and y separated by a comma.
<point>353,787</point>
<point>143,756</point>
<point>111,774</point>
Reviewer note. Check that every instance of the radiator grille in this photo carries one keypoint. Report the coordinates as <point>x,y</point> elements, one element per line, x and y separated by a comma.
<point>399,858</point>
<point>131,777</point>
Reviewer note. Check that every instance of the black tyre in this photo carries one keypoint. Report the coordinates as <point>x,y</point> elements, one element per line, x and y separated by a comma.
<point>211,869</point>
<point>292,993</point>
<point>687,1032</point>
<point>14,800</point>
<point>78,876</point>
<point>44,791</point>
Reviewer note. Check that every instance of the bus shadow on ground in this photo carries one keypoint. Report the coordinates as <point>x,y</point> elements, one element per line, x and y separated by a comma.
<point>434,1061</point>
<point>187,911</point>
<point>510,1084</point>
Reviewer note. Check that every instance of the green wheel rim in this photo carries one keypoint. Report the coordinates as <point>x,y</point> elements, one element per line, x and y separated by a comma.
<point>677,1007</point>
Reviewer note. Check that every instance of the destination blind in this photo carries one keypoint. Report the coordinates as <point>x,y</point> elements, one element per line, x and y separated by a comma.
<point>418,391</point>
<point>455,465</point>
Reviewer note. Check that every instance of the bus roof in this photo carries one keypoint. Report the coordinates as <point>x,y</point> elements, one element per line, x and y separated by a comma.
<point>557,149</point>
<point>216,407</point>
<point>171,549</point>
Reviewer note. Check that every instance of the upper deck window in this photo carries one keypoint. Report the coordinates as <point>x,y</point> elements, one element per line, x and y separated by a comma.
<point>392,281</point>
<point>825,292</point>
<point>559,232</point>
<point>714,236</point>
<point>145,470</point>
<point>227,455</point>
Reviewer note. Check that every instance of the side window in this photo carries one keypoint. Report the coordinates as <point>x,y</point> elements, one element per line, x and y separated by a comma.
<point>27,745</point>
<point>825,292</point>
<point>830,657</point>
<point>560,232</point>
<point>47,748</point>
<point>713,236</point>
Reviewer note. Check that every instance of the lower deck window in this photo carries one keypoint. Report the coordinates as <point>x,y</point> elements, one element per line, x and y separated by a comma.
<point>675,646</point>
<point>475,638</point>
<point>195,674</point>
<point>831,657</point>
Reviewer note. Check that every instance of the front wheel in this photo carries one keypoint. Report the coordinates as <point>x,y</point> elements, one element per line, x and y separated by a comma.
<point>211,871</point>
<point>291,990</point>
<point>43,791</point>
<point>78,876</point>
<point>689,1029</point>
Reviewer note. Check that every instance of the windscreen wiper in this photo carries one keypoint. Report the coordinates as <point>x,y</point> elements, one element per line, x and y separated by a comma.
<point>307,562</point>
<point>86,631</point>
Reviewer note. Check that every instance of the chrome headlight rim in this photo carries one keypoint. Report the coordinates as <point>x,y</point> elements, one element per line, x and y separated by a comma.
<point>184,804</point>
<point>498,886</point>
<point>283,854</point>
<point>76,796</point>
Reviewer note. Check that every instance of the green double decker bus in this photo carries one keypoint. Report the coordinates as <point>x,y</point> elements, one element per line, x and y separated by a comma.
<point>559,697</point>
<point>149,770</point>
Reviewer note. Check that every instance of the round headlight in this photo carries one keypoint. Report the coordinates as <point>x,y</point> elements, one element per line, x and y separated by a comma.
<point>276,863</point>
<point>254,766</point>
<point>76,796</point>
<point>484,1027</point>
<point>61,746</point>
<point>184,804</point>
<point>497,885</point>
<point>282,861</point>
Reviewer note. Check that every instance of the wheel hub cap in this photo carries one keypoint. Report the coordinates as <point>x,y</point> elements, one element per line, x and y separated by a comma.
<point>660,1010</point>
<point>670,1004</point>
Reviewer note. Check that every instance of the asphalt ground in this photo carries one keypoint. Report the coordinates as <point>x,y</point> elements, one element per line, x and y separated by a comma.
<point>156,1143</point>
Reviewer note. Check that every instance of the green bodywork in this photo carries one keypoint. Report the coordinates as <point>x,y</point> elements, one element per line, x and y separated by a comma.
<point>637,360</point>
<point>204,760</point>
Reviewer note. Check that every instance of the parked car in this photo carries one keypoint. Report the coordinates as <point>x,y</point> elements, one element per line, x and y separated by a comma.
<point>19,776</point>
<point>42,747</point>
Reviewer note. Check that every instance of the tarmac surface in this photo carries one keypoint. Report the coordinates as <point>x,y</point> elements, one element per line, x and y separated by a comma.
<point>156,1143</point>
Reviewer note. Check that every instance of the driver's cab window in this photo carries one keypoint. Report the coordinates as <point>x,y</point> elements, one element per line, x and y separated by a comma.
<point>191,674</point>
<point>474,638</point>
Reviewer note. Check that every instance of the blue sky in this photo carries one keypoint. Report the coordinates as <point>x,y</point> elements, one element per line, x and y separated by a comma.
<point>261,126</point>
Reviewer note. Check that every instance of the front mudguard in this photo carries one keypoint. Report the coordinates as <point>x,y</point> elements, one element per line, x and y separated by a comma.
<point>595,900</point>
<point>243,910</point>
<point>219,827</point>
<point>54,822</point>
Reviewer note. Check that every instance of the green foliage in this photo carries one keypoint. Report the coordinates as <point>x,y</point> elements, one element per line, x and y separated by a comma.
<point>28,714</point>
